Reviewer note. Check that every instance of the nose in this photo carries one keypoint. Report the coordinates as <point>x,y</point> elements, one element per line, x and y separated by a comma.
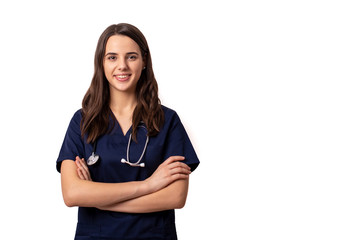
<point>122,64</point>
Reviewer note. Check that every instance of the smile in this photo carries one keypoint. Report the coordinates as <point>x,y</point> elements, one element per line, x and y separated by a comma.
<point>122,77</point>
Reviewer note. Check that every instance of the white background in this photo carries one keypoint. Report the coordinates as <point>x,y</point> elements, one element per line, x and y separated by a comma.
<point>267,90</point>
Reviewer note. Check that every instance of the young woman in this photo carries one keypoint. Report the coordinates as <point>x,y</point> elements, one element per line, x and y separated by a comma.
<point>126,159</point>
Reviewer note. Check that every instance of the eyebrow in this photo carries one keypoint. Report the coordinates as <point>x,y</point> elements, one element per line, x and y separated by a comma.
<point>112,53</point>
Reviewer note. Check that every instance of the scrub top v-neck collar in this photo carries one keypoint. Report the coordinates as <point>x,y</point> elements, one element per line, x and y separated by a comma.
<point>117,124</point>
<point>127,133</point>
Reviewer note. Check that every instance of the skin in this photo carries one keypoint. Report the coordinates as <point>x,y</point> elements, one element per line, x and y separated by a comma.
<point>123,57</point>
<point>171,196</point>
<point>165,189</point>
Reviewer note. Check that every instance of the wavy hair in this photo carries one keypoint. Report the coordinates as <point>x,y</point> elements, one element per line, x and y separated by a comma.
<point>96,102</point>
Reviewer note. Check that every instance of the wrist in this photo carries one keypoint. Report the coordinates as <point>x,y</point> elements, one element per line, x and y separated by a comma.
<point>146,187</point>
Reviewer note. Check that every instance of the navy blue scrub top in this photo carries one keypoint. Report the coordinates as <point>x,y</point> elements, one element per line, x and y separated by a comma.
<point>171,141</point>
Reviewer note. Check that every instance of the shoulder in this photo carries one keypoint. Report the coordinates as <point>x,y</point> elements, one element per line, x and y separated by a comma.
<point>168,111</point>
<point>78,113</point>
<point>76,118</point>
<point>169,114</point>
<point>171,118</point>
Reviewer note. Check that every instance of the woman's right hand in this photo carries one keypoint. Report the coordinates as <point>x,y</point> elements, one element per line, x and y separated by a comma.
<point>82,169</point>
<point>168,172</point>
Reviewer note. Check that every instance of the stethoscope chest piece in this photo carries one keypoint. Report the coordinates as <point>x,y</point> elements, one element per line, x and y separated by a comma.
<point>92,159</point>
<point>95,157</point>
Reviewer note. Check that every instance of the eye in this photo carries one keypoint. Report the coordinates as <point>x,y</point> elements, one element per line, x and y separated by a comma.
<point>111,58</point>
<point>132,57</point>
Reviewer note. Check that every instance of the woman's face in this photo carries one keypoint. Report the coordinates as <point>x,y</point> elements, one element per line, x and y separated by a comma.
<point>123,63</point>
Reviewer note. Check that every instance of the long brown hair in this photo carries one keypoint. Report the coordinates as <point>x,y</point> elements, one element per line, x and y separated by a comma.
<point>96,103</point>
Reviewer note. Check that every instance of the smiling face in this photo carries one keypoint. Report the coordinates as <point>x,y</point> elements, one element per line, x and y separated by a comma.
<point>123,64</point>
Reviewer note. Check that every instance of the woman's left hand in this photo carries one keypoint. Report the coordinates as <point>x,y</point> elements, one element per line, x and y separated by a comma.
<point>82,169</point>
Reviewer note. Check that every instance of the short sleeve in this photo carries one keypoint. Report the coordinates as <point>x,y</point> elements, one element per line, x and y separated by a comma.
<point>179,144</point>
<point>73,144</point>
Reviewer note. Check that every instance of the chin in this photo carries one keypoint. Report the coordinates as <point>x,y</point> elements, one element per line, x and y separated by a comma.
<point>125,89</point>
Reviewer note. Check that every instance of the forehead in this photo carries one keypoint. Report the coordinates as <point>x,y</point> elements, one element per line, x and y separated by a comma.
<point>121,44</point>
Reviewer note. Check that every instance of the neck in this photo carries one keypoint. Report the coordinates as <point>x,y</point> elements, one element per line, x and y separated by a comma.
<point>123,103</point>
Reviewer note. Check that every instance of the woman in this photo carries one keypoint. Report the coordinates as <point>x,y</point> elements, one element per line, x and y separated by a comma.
<point>138,155</point>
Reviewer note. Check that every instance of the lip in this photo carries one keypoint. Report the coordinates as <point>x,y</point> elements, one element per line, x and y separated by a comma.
<point>122,77</point>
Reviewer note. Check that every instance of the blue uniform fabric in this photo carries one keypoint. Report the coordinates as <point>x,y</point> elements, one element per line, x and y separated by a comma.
<point>98,224</point>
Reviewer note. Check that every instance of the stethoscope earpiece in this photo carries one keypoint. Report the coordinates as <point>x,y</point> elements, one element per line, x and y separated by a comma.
<point>123,160</point>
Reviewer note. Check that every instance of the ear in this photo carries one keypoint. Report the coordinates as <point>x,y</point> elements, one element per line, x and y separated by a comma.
<point>144,61</point>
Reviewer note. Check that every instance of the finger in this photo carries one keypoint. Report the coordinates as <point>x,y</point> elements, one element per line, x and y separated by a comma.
<point>85,174</point>
<point>77,161</point>
<point>83,164</point>
<point>83,168</point>
<point>81,176</point>
<point>174,159</point>
<point>179,176</point>
<point>180,170</point>
<point>178,165</point>
<point>79,164</point>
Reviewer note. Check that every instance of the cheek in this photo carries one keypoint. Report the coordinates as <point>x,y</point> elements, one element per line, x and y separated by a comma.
<point>108,70</point>
<point>138,68</point>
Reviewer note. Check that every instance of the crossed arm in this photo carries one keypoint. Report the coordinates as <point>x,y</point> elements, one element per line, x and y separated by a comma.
<point>165,189</point>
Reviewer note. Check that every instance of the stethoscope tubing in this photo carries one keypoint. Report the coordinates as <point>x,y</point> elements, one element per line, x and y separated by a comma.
<point>93,158</point>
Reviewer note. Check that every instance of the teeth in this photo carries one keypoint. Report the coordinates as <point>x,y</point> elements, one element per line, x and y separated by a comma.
<point>122,76</point>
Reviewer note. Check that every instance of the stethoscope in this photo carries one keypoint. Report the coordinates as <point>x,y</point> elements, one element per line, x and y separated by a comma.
<point>95,157</point>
